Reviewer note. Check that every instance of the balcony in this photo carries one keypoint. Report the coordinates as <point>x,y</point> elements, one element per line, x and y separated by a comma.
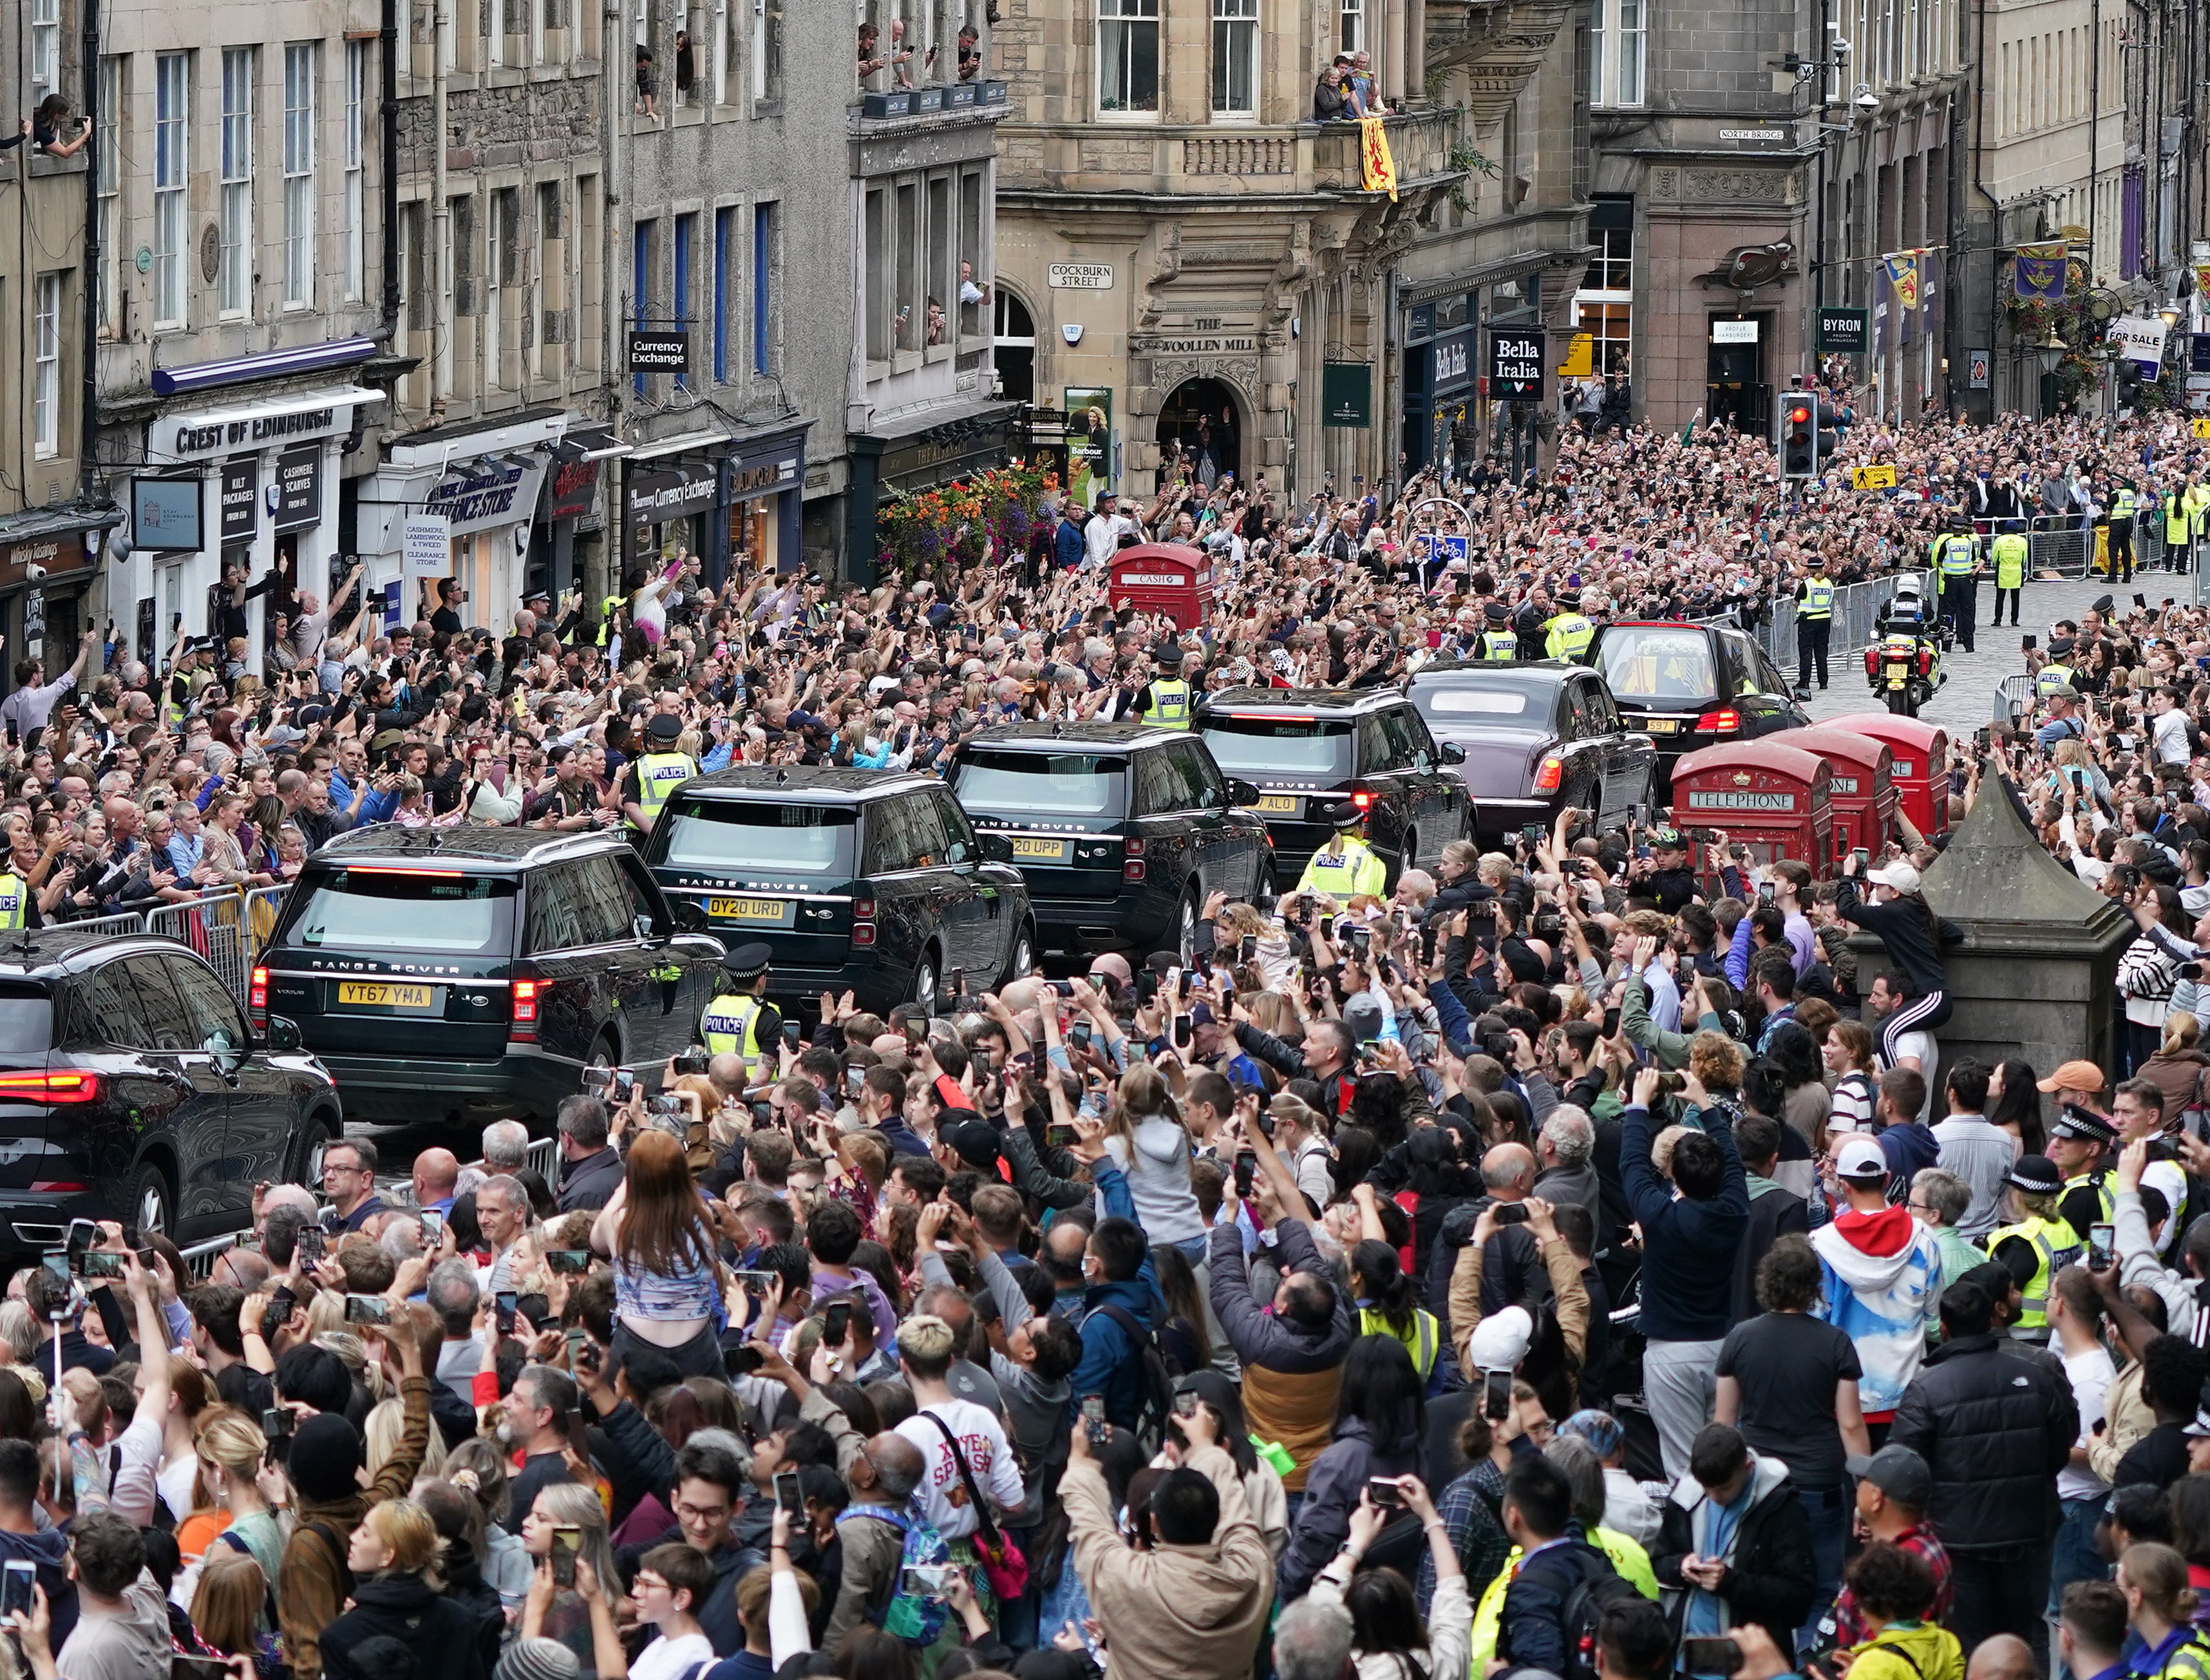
<point>964,101</point>
<point>1224,159</point>
<point>1493,47</point>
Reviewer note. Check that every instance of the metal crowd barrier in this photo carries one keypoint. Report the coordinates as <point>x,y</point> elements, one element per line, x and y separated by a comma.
<point>1856,607</point>
<point>228,929</point>
<point>2065,543</point>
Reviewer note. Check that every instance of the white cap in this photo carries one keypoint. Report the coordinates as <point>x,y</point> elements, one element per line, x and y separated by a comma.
<point>1859,1157</point>
<point>1500,1341</point>
<point>1900,876</point>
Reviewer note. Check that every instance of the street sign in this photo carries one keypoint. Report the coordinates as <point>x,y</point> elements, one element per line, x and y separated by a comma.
<point>659,352</point>
<point>1516,362</point>
<point>1880,477</point>
<point>1976,369</point>
<point>2202,427</point>
<point>1842,330</point>
<point>1733,332</point>
<point>1080,276</point>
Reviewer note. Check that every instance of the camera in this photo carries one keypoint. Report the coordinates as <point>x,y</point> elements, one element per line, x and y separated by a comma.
<point>1495,1043</point>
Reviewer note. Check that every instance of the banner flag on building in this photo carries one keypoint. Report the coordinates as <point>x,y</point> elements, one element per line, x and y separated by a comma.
<point>2038,272</point>
<point>1377,166</point>
<point>1902,267</point>
<point>2202,279</point>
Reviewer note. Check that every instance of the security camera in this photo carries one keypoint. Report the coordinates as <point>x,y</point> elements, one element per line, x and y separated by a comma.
<point>33,573</point>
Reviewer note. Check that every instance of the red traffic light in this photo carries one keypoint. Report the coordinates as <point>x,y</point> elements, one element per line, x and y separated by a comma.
<point>1799,415</point>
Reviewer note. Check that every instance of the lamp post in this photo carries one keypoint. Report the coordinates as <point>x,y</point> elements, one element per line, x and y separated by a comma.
<point>2052,351</point>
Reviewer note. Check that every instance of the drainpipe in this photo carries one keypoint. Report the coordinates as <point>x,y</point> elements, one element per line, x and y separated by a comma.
<point>89,401</point>
<point>388,39</point>
<point>441,255</point>
<point>1980,185</point>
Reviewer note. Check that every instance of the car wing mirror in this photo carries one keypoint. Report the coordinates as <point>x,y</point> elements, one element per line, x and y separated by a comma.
<point>1242,792</point>
<point>996,848</point>
<point>282,1037</point>
<point>1451,752</point>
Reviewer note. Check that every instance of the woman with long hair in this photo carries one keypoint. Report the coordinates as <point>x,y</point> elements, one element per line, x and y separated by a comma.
<point>1389,1640</point>
<point>2160,1608</point>
<point>1147,1141</point>
<point>1381,1419</point>
<point>568,1614</point>
<point>669,1278</point>
<point>398,1593</point>
<point>2177,1067</point>
<point>246,1491</point>
<point>230,1611</point>
<point>2147,974</point>
<point>2014,1104</point>
<point>1388,1302</point>
<point>478,1469</point>
<point>1916,940</point>
<point>1182,1336</point>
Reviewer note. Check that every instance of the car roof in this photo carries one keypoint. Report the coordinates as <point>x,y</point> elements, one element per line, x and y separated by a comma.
<point>1046,737</point>
<point>47,952</point>
<point>480,843</point>
<point>815,784</point>
<point>1320,702</point>
<point>1539,672</point>
<point>1660,624</point>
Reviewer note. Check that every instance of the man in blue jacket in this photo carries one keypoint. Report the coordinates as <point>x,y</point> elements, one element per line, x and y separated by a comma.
<point>1117,1299</point>
<point>1688,1245</point>
<point>1066,547</point>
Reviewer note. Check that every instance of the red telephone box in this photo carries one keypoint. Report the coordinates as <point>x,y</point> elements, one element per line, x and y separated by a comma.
<point>1918,765</point>
<point>1167,578</point>
<point>1858,783</point>
<point>1773,799</point>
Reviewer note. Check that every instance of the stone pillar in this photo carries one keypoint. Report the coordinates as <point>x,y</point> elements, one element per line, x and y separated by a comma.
<point>2036,977</point>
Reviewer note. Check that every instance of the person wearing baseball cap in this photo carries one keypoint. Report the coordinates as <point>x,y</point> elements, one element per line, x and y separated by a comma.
<point>2081,1143</point>
<point>2041,1243</point>
<point>1916,938</point>
<point>2076,1081</point>
<point>1895,1488</point>
<point>1890,1266</point>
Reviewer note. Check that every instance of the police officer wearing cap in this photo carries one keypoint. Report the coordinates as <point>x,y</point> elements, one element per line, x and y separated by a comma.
<point>2039,1245</point>
<point>1814,625</point>
<point>657,774</point>
<point>2081,1143</point>
<point>1497,642</point>
<point>739,1020</point>
<point>2056,670</point>
<point>2125,502</point>
<point>1346,865</point>
<point>1568,636</point>
<point>1164,701</point>
<point>1956,557</point>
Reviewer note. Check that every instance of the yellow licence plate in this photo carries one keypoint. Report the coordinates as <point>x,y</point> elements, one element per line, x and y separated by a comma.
<point>385,996</point>
<point>1663,726</point>
<point>1042,851</point>
<point>1280,804</point>
<point>745,909</point>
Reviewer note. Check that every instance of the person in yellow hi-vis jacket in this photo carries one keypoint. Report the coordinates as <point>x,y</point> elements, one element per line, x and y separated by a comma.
<point>1346,865</point>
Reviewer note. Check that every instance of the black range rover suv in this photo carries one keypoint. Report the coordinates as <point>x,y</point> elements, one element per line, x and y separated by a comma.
<point>864,880</point>
<point>471,973</point>
<point>131,1088</point>
<point>1308,748</point>
<point>1122,830</point>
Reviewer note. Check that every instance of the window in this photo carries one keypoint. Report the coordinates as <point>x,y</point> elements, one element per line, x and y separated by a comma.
<point>1351,37</point>
<point>47,382</point>
<point>766,235</point>
<point>879,305</point>
<point>495,10</point>
<point>550,271</point>
<point>495,276</point>
<point>725,46</point>
<point>973,256</point>
<point>686,230</point>
<point>356,179</point>
<point>1128,56</point>
<point>640,284</point>
<point>909,265</point>
<point>106,156</point>
<point>300,173</point>
<point>234,276</point>
<point>1616,55</point>
<point>942,280</point>
<point>725,250</point>
<point>45,48</point>
<point>767,49</point>
<point>1235,57</point>
<point>1604,305</point>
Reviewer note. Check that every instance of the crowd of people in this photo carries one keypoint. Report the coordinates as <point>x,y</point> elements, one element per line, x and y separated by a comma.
<point>1580,1260</point>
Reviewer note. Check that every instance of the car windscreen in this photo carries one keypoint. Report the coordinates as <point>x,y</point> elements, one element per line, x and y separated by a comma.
<point>1263,746</point>
<point>26,1020</point>
<point>1658,662</point>
<point>762,839</point>
<point>1468,702</point>
<point>365,907</point>
<point>1058,784</point>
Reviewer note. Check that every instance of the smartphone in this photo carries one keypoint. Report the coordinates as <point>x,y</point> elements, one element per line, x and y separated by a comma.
<point>1710,1656</point>
<point>1384,1493</point>
<point>1863,856</point>
<point>566,1542</point>
<point>1496,1395</point>
<point>1093,1419</point>
<point>2102,1247</point>
<point>1509,1213</point>
<point>277,1423</point>
<point>1246,948</point>
<point>2029,642</point>
<point>1764,893</point>
<point>1060,1136</point>
<point>2141,600</point>
<point>1532,833</point>
<point>741,1362</point>
<point>99,1266</point>
<point>924,1581</point>
<point>503,1312</point>
<point>1078,1035</point>
<point>786,1493</point>
<point>757,1282</point>
<point>958,979</point>
<point>373,1310</point>
<point>836,1323</point>
<point>579,1433</point>
<point>1246,1167</point>
<point>568,1262</point>
<point>314,1246</point>
<point>1611,1023</point>
<point>915,1034</point>
<point>1327,926</point>
<point>1184,1028</point>
<point>433,1227</point>
<point>695,1061</point>
<point>279,1313</point>
<point>15,1579</point>
<point>57,1265</point>
<point>855,1079</point>
<point>192,1668</point>
<point>791,1036</point>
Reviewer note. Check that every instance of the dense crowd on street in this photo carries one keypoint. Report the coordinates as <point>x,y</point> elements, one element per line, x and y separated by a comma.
<point>1580,1260</point>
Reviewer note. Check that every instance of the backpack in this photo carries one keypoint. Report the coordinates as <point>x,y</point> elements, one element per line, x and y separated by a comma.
<point>1154,1381</point>
<point>1601,1586</point>
<point>916,1620</point>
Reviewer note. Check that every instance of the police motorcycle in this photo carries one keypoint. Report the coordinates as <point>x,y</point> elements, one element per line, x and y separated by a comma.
<point>1903,665</point>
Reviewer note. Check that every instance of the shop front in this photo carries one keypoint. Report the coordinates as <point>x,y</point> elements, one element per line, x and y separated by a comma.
<point>765,478</point>
<point>568,526</point>
<point>909,455</point>
<point>253,485</point>
<point>1439,383</point>
<point>482,479</point>
<point>671,497</point>
<point>47,568</point>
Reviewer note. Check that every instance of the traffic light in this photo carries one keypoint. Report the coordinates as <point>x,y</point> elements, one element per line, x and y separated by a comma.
<point>1799,436</point>
<point>1828,441</point>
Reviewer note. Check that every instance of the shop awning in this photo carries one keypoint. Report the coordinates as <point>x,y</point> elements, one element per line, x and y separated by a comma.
<point>268,365</point>
<point>443,445</point>
<point>685,444</point>
<point>212,434</point>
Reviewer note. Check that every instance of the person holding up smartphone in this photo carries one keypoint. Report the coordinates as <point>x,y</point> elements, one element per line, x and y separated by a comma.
<point>1449,1618</point>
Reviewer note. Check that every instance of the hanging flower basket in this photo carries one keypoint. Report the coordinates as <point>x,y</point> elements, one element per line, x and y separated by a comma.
<point>962,524</point>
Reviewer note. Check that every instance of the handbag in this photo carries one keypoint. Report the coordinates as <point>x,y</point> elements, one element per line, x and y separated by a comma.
<point>1002,1563</point>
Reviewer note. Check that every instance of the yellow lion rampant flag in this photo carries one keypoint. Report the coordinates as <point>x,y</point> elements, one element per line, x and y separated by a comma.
<point>1376,165</point>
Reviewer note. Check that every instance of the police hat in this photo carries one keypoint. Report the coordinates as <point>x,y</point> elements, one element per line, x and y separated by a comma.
<point>2104,603</point>
<point>1571,597</point>
<point>2036,1174</point>
<point>1496,611</point>
<point>1344,814</point>
<point>747,961</point>
<point>1167,652</point>
<point>2084,1125</point>
<point>666,727</point>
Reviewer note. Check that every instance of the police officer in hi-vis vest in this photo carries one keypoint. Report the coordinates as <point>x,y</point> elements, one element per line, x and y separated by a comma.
<point>1814,625</point>
<point>2124,503</point>
<point>1165,701</point>
<point>739,1020</point>
<point>1346,865</point>
<point>1497,642</point>
<point>658,773</point>
<point>1956,557</point>
<point>2009,551</point>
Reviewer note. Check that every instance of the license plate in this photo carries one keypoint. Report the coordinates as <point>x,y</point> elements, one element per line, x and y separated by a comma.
<point>1281,804</point>
<point>384,996</point>
<point>1042,851</point>
<point>1895,676</point>
<point>747,909</point>
<point>1663,726</point>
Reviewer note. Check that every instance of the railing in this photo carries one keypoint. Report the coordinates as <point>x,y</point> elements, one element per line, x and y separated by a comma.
<point>228,929</point>
<point>1857,607</point>
<point>2064,543</point>
<point>1420,144</point>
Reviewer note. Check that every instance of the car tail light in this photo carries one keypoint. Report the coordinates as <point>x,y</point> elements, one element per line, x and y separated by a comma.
<point>525,1010</point>
<point>256,999</point>
<point>51,1087</point>
<point>1724,722</point>
<point>1362,800</point>
<point>1547,778</point>
<point>59,1186</point>
<point>863,922</point>
<point>1132,869</point>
